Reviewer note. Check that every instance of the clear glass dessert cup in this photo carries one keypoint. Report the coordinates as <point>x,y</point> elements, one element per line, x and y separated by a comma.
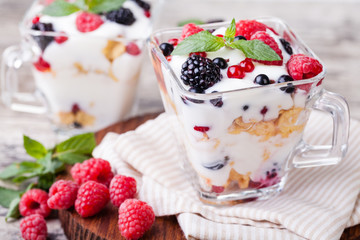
<point>231,159</point>
<point>84,81</point>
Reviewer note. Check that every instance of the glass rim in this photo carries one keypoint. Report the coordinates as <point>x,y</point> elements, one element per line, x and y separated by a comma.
<point>153,45</point>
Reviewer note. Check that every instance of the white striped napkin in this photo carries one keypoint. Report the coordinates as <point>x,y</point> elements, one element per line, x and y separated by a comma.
<point>317,203</point>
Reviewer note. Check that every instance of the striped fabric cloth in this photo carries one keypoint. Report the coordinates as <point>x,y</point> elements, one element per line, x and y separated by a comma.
<point>317,203</point>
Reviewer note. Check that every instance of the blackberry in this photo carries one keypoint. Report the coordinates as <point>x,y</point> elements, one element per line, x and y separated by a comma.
<point>43,41</point>
<point>122,16</point>
<point>286,46</point>
<point>200,72</point>
<point>144,5</point>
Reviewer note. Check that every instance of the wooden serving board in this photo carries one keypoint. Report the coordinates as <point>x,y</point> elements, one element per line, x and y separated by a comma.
<point>104,225</point>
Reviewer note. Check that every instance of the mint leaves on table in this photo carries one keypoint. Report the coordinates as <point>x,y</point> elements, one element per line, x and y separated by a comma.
<point>46,165</point>
<point>204,41</point>
<point>60,8</point>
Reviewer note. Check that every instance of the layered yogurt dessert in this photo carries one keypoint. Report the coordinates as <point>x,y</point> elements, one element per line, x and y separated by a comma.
<point>240,100</point>
<point>88,58</point>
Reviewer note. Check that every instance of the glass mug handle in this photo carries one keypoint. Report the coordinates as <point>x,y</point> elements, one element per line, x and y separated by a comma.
<point>321,155</point>
<point>12,60</point>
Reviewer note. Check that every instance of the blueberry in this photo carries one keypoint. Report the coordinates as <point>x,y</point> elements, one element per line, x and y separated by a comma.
<point>286,46</point>
<point>220,62</point>
<point>43,41</point>
<point>290,88</point>
<point>217,102</point>
<point>239,37</point>
<point>77,125</point>
<point>262,79</point>
<point>285,78</point>
<point>195,90</point>
<point>245,107</point>
<point>217,165</point>
<point>166,49</point>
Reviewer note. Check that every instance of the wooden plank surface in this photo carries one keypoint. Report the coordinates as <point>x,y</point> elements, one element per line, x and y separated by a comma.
<point>104,225</point>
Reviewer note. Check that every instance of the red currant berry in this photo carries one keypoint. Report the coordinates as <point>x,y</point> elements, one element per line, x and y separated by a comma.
<point>147,14</point>
<point>36,19</point>
<point>247,65</point>
<point>201,128</point>
<point>220,35</point>
<point>235,71</point>
<point>173,41</point>
<point>201,54</point>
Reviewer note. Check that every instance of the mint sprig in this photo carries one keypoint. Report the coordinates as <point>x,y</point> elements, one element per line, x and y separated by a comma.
<point>204,41</point>
<point>60,8</point>
<point>46,165</point>
<point>200,42</point>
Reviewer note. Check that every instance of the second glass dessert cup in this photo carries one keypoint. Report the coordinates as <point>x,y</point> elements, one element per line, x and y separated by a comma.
<point>232,158</point>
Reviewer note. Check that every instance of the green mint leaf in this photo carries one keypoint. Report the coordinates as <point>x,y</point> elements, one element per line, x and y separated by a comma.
<point>46,180</point>
<point>256,49</point>
<point>13,211</point>
<point>26,176</point>
<point>83,143</point>
<point>60,8</point>
<point>199,42</point>
<point>101,6</point>
<point>34,148</point>
<point>81,4</point>
<point>72,158</point>
<point>194,21</point>
<point>17,169</point>
<point>51,165</point>
<point>230,32</point>
<point>7,195</point>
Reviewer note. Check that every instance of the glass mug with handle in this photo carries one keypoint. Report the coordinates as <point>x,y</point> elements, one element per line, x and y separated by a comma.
<point>241,139</point>
<point>86,73</point>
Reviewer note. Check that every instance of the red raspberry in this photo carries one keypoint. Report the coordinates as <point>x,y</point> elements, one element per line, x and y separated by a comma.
<point>33,227</point>
<point>62,194</point>
<point>42,65</point>
<point>135,218</point>
<point>122,188</point>
<point>302,67</point>
<point>189,29</point>
<point>267,39</point>
<point>95,169</point>
<point>92,197</point>
<point>247,28</point>
<point>88,22</point>
<point>34,201</point>
<point>133,49</point>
